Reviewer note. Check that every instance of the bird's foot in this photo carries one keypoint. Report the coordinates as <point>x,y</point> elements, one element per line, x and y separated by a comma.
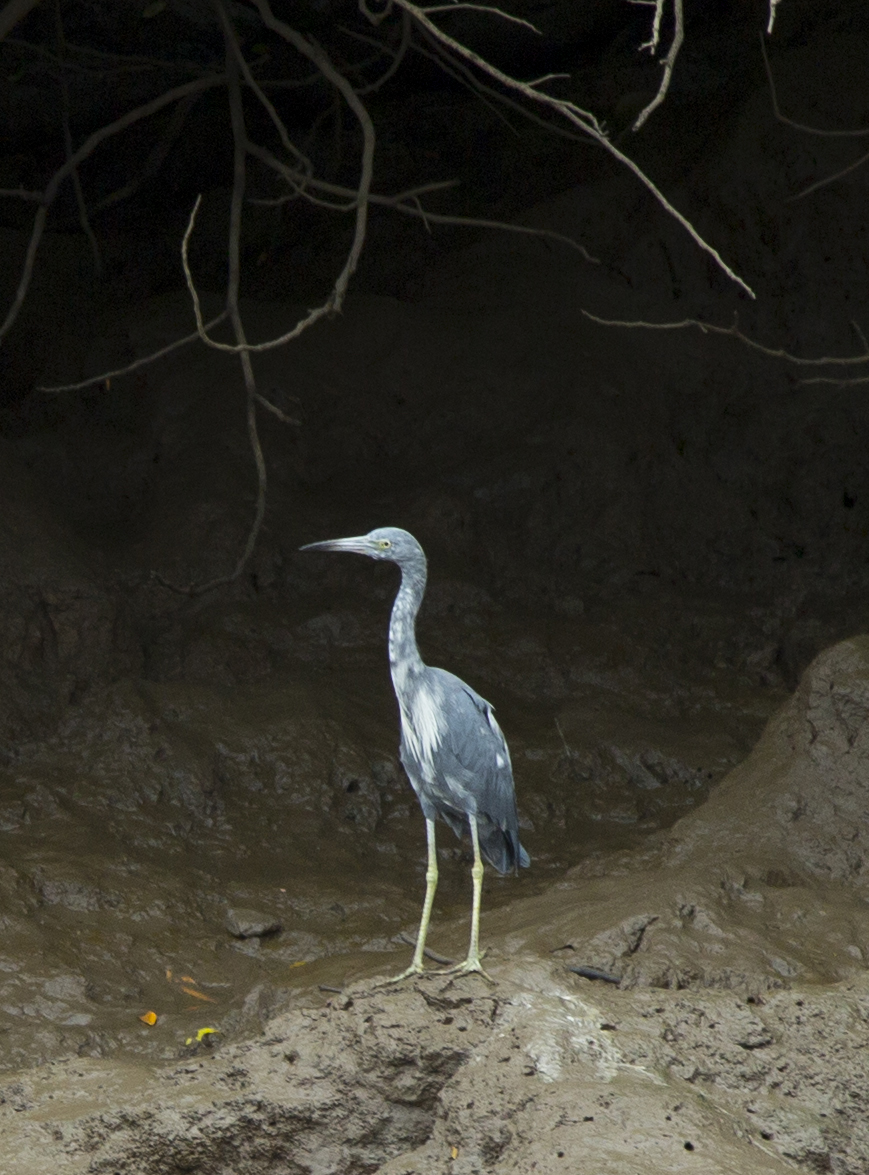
<point>472,965</point>
<point>413,969</point>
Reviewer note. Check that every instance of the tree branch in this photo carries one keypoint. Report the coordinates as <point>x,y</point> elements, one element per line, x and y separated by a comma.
<point>669,61</point>
<point>735,333</point>
<point>90,144</point>
<point>579,118</point>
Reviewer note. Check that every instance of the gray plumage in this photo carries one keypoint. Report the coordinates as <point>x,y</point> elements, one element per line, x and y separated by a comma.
<point>452,748</point>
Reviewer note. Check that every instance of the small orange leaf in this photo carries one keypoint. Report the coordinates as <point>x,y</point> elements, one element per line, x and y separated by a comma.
<point>454,1152</point>
<point>168,973</point>
<point>300,963</point>
<point>187,979</point>
<point>149,1018</point>
<point>198,995</point>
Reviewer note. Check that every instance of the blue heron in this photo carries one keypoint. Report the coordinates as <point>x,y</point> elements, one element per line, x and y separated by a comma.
<point>451,746</point>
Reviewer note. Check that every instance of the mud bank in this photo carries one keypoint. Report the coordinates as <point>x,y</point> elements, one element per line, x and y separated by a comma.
<point>735,1040</point>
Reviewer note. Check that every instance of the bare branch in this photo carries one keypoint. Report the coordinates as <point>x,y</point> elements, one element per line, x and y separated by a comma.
<point>126,62</point>
<point>277,121</point>
<point>839,383</point>
<point>22,194</point>
<point>668,62</point>
<point>361,199</point>
<point>735,333</point>
<point>316,55</point>
<point>829,179</point>
<point>655,39</point>
<point>90,144</point>
<point>67,143</point>
<point>579,118</point>
<point>397,57</point>
<point>773,5</point>
<point>407,203</point>
<point>156,155</point>
<point>800,126</point>
<point>275,410</point>
<point>239,179</point>
<point>108,376</point>
<point>435,8</point>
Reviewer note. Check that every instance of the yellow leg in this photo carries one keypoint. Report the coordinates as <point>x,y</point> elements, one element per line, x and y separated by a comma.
<point>473,961</point>
<point>431,884</point>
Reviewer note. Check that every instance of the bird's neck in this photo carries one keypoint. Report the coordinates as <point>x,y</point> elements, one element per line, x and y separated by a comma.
<point>403,652</point>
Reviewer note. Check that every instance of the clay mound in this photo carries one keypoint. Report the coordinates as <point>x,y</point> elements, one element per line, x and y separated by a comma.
<point>763,884</point>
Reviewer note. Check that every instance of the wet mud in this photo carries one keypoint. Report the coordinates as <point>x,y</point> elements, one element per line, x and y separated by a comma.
<point>735,1036</point>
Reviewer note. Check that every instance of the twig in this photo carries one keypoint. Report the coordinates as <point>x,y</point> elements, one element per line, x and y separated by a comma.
<point>773,5</point>
<point>800,126</point>
<point>239,182</point>
<point>655,39</point>
<point>830,179</point>
<point>156,155</point>
<point>317,56</point>
<point>106,376</point>
<point>809,130</point>
<point>361,201</point>
<point>67,143</point>
<point>668,62</point>
<point>578,118</point>
<point>22,194</point>
<point>239,139</point>
<point>273,408</point>
<point>435,8</point>
<point>277,121</point>
<point>397,57</point>
<point>88,146</point>
<point>735,333</point>
<point>404,202</point>
<point>429,954</point>
<point>839,383</point>
<point>128,61</point>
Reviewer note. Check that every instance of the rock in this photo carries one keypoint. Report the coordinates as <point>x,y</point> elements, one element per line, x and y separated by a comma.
<point>243,923</point>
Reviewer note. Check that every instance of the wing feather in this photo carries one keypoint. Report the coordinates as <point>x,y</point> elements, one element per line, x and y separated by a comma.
<point>475,760</point>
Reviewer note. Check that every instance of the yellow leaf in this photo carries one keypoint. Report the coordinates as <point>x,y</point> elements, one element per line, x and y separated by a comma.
<point>198,995</point>
<point>149,1018</point>
<point>201,1034</point>
<point>168,973</point>
<point>187,979</point>
<point>454,1152</point>
<point>300,963</point>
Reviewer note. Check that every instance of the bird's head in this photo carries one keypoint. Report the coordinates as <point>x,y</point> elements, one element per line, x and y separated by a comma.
<point>387,542</point>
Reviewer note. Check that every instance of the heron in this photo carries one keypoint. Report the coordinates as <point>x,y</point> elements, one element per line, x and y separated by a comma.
<point>452,748</point>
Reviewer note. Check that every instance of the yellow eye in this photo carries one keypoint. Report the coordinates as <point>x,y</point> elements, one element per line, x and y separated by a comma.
<point>384,544</point>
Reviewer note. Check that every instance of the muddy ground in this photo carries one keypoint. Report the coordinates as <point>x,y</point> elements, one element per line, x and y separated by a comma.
<point>648,550</point>
<point>734,1040</point>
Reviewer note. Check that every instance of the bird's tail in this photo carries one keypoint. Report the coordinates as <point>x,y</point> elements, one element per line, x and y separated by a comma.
<point>501,848</point>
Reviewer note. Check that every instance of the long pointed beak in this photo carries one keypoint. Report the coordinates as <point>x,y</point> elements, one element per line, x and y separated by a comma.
<point>356,546</point>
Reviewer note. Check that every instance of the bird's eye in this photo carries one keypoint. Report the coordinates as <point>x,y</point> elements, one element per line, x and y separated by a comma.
<point>384,544</point>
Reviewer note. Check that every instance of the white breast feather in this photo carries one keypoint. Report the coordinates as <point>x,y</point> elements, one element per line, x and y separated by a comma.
<point>424,732</point>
